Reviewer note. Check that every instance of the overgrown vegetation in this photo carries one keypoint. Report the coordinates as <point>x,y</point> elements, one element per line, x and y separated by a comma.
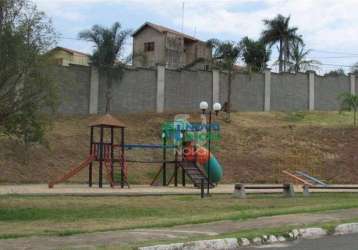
<point>27,88</point>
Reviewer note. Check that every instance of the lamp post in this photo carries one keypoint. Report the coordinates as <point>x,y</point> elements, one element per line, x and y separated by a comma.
<point>204,108</point>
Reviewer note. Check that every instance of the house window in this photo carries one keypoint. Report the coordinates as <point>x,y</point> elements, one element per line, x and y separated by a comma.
<point>149,46</point>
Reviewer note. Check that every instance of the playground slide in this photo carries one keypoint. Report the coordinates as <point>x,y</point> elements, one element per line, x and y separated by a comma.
<point>216,171</point>
<point>73,171</point>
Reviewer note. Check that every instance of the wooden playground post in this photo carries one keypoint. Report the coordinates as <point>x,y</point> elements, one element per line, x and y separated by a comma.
<point>100,159</point>
<point>112,154</point>
<point>176,169</point>
<point>164,181</point>
<point>90,165</point>
<point>183,177</point>
<point>122,158</point>
<point>182,159</point>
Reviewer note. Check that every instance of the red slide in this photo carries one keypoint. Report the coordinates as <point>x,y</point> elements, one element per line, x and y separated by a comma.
<point>73,171</point>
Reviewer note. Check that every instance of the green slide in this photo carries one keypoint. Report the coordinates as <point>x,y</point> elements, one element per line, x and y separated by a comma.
<point>216,171</point>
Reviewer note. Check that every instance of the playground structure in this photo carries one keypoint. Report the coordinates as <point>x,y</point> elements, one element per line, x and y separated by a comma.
<point>103,152</point>
<point>304,178</point>
<point>193,161</point>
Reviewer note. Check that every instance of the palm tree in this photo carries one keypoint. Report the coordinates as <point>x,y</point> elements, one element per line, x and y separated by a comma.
<point>278,30</point>
<point>350,103</point>
<point>255,54</point>
<point>108,43</point>
<point>225,56</point>
<point>298,61</point>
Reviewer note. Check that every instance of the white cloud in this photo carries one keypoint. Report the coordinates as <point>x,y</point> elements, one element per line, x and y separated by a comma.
<point>324,24</point>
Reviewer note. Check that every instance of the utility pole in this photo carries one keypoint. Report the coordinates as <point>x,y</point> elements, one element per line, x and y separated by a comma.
<point>182,18</point>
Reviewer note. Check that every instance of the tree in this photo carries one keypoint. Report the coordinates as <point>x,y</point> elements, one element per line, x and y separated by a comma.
<point>108,43</point>
<point>225,56</point>
<point>255,54</point>
<point>278,30</point>
<point>336,72</point>
<point>298,61</point>
<point>349,102</point>
<point>28,93</point>
<point>354,68</point>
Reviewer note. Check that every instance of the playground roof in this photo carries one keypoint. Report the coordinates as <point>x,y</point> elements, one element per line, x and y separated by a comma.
<point>107,121</point>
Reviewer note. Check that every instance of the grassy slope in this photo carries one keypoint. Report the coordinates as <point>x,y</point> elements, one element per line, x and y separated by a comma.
<point>24,216</point>
<point>255,147</point>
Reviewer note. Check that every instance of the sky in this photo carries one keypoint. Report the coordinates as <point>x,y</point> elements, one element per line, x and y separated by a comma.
<point>329,27</point>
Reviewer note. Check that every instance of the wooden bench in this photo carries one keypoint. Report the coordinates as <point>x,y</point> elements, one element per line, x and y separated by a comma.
<point>306,188</point>
<point>240,189</point>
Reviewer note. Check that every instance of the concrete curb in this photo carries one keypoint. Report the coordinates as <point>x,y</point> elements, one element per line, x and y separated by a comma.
<point>348,228</point>
<point>233,243</point>
<point>227,244</point>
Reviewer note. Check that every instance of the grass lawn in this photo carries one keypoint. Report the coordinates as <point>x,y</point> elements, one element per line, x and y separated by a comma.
<point>63,215</point>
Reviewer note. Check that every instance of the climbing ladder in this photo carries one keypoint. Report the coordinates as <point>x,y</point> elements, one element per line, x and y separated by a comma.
<point>195,174</point>
<point>110,164</point>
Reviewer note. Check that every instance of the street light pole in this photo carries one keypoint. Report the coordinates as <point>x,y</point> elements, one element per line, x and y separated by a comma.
<point>216,108</point>
<point>209,149</point>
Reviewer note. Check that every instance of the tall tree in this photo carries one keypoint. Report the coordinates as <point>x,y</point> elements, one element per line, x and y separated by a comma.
<point>298,61</point>
<point>278,30</point>
<point>225,56</point>
<point>107,55</point>
<point>27,88</point>
<point>255,54</point>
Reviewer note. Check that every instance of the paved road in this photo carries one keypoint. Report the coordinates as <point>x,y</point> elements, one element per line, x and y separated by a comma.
<point>346,242</point>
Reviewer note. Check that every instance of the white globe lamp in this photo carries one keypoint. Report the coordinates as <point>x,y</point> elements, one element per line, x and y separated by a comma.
<point>204,106</point>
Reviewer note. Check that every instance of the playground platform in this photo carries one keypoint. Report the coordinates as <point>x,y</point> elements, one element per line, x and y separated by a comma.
<point>135,190</point>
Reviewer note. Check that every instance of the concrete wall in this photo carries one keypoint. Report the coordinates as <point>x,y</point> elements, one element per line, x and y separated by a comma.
<point>289,92</point>
<point>82,90</point>
<point>74,86</point>
<point>135,92</point>
<point>185,89</point>
<point>327,90</point>
<point>248,92</point>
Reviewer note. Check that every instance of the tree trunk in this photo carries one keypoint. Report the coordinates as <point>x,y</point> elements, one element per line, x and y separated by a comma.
<point>355,118</point>
<point>280,57</point>
<point>108,94</point>
<point>228,118</point>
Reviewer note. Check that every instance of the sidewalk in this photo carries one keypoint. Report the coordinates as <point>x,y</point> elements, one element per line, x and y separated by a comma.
<point>179,233</point>
<point>135,190</point>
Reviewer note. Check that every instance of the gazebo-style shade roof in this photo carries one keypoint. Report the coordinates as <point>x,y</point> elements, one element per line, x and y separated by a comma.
<point>107,121</point>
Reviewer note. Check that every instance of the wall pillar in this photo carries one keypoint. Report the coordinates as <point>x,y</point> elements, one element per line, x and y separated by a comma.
<point>353,83</point>
<point>216,86</point>
<point>311,88</point>
<point>160,88</point>
<point>94,91</point>
<point>267,97</point>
